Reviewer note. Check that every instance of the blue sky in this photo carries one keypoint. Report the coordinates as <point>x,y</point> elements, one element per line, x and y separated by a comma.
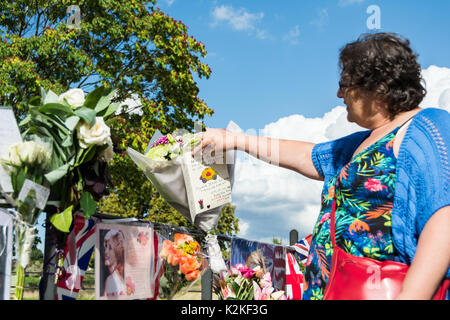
<point>271,59</point>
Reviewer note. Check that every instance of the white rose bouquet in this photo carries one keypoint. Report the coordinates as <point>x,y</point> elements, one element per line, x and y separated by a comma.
<point>27,163</point>
<point>76,125</point>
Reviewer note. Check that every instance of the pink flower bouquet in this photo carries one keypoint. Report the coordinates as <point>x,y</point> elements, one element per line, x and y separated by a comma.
<point>242,283</point>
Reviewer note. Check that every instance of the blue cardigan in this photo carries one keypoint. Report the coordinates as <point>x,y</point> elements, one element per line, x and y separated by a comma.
<point>422,174</point>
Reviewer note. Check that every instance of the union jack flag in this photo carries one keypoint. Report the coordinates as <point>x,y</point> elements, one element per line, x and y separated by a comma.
<point>77,254</point>
<point>294,275</point>
<point>302,249</point>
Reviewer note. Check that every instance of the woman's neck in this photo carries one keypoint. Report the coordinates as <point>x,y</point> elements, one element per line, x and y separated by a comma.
<point>385,124</point>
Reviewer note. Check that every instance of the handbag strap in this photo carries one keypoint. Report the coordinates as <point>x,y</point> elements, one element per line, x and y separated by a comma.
<point>332,221</point>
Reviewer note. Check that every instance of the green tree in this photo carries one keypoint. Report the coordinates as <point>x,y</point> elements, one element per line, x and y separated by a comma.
<point>277,241</point>
<point>130,45</point>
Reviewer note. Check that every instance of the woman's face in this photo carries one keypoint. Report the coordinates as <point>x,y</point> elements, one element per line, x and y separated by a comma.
<point>360,105</point>
<point>110,255</point>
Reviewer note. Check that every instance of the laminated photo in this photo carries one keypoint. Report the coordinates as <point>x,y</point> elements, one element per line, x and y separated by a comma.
<point>123,258</point>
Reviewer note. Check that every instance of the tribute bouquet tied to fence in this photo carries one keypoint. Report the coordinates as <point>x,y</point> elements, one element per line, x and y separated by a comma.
<point>26,163</point>
<point>183,264</point>
<point>64,157</point>
<point>242,283</point>
<point>161,163</point>
<point>76,126</point>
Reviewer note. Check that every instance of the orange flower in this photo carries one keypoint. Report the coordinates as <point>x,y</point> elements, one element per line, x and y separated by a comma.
<point>174,257</point>
<point>188,264</point>
<point>167,245</point>
<point>192,275</point>
<point>358,225</point>
<point>169,252</point>
<point>181,238</point>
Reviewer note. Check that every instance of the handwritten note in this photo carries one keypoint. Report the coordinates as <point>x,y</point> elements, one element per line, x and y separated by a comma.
<point>207,186</point>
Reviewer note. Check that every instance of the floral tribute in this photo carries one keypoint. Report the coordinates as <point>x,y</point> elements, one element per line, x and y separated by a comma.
<point>242,283</point>
<point>65,153</point>
<point>170,146</point>
<point>76,126</point>
<point>183,264</point>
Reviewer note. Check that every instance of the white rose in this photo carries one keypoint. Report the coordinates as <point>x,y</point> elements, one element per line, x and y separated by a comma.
<point>13,154</point>
<point>28,152</point>
<point>97,135</point>
<point>74,97</point>
<point>107,154</point>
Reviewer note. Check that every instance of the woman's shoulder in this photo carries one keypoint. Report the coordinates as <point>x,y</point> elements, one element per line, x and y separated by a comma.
<point>430,126</point>
<point>434,118</point>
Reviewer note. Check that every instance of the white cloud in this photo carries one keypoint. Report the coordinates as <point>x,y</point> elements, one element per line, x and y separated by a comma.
<point>322,18</point>
<point>437,83</point>
<point>270,201</point>
<point>239,20</point>
<point>170,2</point>
<point>293,35</point>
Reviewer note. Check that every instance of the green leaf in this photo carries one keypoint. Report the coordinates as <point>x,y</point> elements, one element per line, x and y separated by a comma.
<point>63,220</point>
<point>72,122</point>
<point>68,142</point>
<point>85,155</point>
<point>25,121</point>
<point>86,114</point>
<point>93,97</point>
<point>57,174</point>
<point>104,101</point>
<point>88,204</point>
<point>56,108</point>
<point>50,97</point>
<point>112,108</point>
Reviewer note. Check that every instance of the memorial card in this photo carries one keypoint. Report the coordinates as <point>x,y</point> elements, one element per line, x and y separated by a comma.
<point>207,186</point>
<point>123,256</point>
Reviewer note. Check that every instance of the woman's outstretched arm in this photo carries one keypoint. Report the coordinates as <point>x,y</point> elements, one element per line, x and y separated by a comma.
<point>289,154</point>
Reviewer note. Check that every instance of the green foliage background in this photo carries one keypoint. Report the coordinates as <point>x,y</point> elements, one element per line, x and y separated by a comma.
<point>130,45</point>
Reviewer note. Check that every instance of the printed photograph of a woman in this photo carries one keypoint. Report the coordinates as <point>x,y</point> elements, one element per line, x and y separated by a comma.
<point>113,263</point>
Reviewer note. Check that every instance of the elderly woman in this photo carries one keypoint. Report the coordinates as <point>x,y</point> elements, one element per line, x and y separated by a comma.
<point>388,188</point>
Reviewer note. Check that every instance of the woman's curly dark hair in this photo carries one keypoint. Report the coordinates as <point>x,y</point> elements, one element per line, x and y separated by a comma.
<point>384,64</point>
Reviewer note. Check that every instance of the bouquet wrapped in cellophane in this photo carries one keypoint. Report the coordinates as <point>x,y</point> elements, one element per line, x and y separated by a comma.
<point>184,263</point>
<point>162,165</point>
<point>242,283</point>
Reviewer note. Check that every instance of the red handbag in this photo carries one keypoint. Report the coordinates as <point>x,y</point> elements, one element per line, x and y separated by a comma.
<point>359,278</point>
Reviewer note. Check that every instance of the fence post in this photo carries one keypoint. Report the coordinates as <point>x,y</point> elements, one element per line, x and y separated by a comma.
<point>207,278</point>
<point>293,237</point>
<point>54,241</point>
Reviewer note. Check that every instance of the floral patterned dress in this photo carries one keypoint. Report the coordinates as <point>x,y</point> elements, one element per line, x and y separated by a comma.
<point>364,196</point>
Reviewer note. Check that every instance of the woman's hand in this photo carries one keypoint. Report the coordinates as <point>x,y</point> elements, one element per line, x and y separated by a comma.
<point>289,154</point>
<point>219,140</point>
